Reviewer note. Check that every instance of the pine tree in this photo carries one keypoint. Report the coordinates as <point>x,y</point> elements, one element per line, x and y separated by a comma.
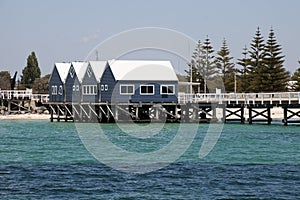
<point>226,67</point>
<point>277,76</point>
<point>257,68</point>
<point>196,65</point>
<point>31,71</point>
<point>244,62</point>
<point>296,77</point>
<point>210,68</point>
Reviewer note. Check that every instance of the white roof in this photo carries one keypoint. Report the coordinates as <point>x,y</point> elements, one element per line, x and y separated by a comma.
<point>142,70</point>
<point>98,68</point>
<point>80,69</point>
<point>63,69</point>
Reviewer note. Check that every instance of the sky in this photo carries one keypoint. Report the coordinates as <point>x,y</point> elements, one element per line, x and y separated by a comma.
<point>67,30</point>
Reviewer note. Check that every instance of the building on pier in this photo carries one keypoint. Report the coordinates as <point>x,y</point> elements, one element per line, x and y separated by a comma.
<point>139,90</point>
<point>57,82</point>
<point>139,81</point>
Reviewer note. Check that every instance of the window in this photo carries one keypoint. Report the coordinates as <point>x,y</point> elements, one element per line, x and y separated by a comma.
<point>126,89</point>
<point>106,87</point>
<point>72,72</point>
<point>147,89</point>
<point>102,87</point>
<point>60,90</point>
<point>89,71</point>
<point>89,89</point>
<point>74,88</point>
<point>77,87</point>
<point>54,90</point>
<point>167,89</point>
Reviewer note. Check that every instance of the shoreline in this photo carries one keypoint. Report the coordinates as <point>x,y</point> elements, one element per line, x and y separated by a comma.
<point>27,116</point>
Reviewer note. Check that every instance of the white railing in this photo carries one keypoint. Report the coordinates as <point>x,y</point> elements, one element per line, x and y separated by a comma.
<point>23,94</point>
<point>241,98</point>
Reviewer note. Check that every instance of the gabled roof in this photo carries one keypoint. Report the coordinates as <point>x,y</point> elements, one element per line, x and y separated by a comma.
<point>63,69</point>
<point>80,69</point>
<point>98,68</point>
<point>142,70</point>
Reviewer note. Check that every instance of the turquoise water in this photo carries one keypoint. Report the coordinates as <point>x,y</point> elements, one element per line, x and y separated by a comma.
<point>43,160</point>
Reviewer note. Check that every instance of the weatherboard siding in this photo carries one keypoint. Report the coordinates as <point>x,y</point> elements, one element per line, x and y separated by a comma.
<point>109,80</point>
<point>73,96</point>
<point>90,81</point>
<point>56,81</point>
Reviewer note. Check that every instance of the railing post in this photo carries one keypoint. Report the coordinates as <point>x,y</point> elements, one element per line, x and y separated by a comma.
<point>280,98</point>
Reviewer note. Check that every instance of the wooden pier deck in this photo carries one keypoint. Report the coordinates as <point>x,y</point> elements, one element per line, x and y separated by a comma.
<point>224,108</point>
<point>191,108</point>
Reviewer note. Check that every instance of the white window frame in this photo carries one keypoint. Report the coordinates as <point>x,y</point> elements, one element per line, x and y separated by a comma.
<point>60,90</point>
<point>127,85</point>
<point>77,87</point>
<point>89,89</point>
<point>102,87</point>
<point>54,90</point>
<point>74,88</point>
<point>150,85</point>
<point>72,72</point>
<point>161,92</point>
<point>106,87</point>
<point>89,72</point>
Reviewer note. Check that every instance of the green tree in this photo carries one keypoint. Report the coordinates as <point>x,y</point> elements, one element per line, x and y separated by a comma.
<point>226,67</point>
<point>296,77</point>
<point>210,70</point>
<point>277,76</point>
<point>256,65</point>
<point>197,65</point>
<point>31,71</point>
<point>244,77</point>
<point>4,80</point>
<point>41,85</point>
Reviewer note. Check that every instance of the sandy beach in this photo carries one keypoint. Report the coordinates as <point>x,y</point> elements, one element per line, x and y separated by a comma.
<point>26,116</point>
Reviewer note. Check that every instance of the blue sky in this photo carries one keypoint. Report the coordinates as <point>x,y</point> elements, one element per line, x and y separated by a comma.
<point>60,30</point>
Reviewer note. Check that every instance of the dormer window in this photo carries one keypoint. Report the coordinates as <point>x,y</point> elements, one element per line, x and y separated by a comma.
<point>72,72</point>
<point>89,72</point>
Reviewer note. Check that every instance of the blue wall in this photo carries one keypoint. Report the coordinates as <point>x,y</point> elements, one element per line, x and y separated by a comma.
<point>90,81</point>
<point>157,97</point>
<point>73,96</point>
<point>56,81</point>
<point>113,93</point>
<point>109,80</point>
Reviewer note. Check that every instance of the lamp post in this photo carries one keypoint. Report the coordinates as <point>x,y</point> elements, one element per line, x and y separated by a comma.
<point>191,79</point>
<point>234,80</point>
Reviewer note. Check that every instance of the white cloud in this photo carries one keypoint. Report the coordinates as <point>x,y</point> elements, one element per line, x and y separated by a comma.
<point>91,37</point>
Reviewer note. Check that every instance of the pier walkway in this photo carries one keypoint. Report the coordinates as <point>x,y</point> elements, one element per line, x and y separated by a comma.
<point>17,101</point>
<point>210,107</point>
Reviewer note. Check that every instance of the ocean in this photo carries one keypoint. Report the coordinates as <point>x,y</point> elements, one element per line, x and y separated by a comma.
<point>44,160</point>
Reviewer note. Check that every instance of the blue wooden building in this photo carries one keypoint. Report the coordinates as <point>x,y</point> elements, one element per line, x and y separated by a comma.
<point>57,82</point>
<point>139,81</point>
<point>74,81</point>
<point>91,81</point>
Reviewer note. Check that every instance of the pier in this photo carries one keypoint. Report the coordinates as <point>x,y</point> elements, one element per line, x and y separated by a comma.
<point>21,101</point>
<point>191,108</point>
